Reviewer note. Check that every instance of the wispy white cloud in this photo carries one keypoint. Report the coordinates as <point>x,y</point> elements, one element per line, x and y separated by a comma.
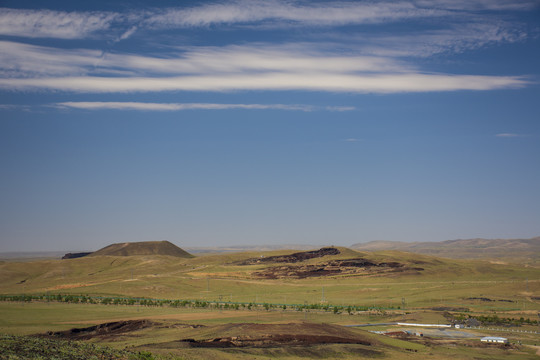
<point>256,67</point>
<point>14,107</point>
<point>316,14</point>
<point>144,106</point>
<point>375,64</point>
<point>456,39</point>
<point>340,108</point>
<point>249,58</point>
<point>326,13</point>
<point>24,60</point>
<point>128,33</point>
<point>479,5</point>
<point>53,24</point>
<point>73,25</point>
<point>325,82</point>
<point>44,23</point>
<point>508,135</point>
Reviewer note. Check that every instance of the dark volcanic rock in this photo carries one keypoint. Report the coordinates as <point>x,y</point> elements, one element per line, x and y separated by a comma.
<point>293,258</point>
<point>357,266</point>
<point>279,335</point>
<point>75,255</point>
<point>101,330</point>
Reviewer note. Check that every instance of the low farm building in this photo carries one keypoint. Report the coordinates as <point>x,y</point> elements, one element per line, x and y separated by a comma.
<point>494,339</point>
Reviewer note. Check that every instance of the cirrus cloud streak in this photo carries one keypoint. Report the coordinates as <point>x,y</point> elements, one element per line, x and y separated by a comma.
<point>54,24</point>
<point>129,105</point>
<point>355,63</point>
<point>24,60</point>
<point>44,23</point>
<point>325,82</point>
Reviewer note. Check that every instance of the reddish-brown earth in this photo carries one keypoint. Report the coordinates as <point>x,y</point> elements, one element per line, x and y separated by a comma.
<point>103,331</point>
<point>292,258</point>
<point>275,335</point>
<point>333,267</point>
<point>234,335</point>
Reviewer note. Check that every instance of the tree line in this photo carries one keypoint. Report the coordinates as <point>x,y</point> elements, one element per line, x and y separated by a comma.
<point>222,305</point>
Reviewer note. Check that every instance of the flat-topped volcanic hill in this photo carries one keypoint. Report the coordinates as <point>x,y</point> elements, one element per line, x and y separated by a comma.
<point>143,248</point>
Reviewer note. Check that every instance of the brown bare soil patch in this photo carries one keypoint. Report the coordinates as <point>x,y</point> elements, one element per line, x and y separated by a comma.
<point>267,340</point>
<point>357,266</point>
<point>228,336</point>
<point>293,258</point>
<point>103,331</point>
<point>276,335</point>
<point>306,340</point>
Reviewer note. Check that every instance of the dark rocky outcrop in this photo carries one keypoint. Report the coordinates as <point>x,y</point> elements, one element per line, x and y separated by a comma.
<point>75,255</point>
<point>293,258</point>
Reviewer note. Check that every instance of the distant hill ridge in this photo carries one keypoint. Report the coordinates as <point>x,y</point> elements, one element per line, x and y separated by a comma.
<point>463,248</point>
<point>143,248</point>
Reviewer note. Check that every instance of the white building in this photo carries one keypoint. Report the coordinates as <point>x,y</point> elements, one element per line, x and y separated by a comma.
<point>494,339</point>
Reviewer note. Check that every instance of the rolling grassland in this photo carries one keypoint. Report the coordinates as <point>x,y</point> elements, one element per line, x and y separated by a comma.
<point>271,288</point>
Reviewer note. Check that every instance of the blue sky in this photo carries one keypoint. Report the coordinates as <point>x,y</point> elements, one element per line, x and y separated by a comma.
<point>267,122</point>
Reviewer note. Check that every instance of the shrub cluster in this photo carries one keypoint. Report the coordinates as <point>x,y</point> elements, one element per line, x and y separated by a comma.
<point>496,320</point>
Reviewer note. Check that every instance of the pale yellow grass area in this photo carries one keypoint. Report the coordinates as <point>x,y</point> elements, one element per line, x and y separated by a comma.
<point>223,275</point>
<point>79,285</point>
<point>498,262</point>
<point>181,317</point>
<point>68,286</point>
<point>523,312</point>
<point>537,348</point>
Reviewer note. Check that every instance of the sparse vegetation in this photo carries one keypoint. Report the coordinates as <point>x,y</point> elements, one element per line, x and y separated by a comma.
<point>30,347</point>
<point>496,320</point>
<point>208,297</point>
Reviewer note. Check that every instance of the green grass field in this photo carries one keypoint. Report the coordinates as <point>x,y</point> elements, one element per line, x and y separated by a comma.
<point>474,288</point>
<point>442,282</point>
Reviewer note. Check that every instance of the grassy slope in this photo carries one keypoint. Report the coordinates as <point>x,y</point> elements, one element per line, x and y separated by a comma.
<point>515,250</point>
<point>24,348</point>
<point>443,282</point>
<point>38,318</point>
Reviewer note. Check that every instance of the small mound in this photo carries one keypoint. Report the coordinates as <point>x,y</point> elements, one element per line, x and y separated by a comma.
<point>143,248</point>
<point>277,335</point>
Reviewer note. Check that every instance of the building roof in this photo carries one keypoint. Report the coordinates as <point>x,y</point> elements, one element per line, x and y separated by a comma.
<point>493,338</point>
